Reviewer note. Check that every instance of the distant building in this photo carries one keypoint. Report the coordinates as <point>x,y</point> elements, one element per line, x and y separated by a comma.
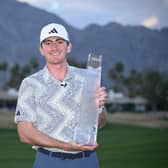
<point>8,99</point>
<point>118,102</point>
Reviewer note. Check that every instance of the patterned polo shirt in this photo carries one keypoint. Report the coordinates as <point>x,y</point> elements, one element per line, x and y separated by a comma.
<point>51,105</point>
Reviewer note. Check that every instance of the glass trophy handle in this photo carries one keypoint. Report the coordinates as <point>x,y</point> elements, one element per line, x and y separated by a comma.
<point>94,61</point>
<point>94,65</point>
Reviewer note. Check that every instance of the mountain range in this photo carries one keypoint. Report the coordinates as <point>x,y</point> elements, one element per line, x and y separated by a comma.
<point>136,47</point>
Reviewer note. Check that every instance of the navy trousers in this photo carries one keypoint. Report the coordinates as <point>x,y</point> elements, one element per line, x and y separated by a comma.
<point>46,161</point>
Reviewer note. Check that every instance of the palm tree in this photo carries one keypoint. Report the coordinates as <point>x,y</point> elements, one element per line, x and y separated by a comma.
<point>133,83</point>
<point>15,76</point>
<point>116,74</point>
<point>34,64</point>
<point>3,69</point>
<point>152,87</point>
<point>3,66</point>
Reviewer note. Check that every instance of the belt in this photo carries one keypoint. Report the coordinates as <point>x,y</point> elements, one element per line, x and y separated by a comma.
<point>63,155</point>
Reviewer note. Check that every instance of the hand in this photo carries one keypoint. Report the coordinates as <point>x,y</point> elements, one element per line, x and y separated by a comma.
<point>101,95</point>
<point>78,147</point>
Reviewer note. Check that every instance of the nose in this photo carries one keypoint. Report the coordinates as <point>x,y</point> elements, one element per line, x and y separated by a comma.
<point>54,45</point>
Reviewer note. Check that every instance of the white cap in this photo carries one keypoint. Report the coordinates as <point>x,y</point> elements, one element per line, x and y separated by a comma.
<point>54,29</point>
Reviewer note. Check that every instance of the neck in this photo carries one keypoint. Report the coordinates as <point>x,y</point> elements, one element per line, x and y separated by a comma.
<point>58,71</point>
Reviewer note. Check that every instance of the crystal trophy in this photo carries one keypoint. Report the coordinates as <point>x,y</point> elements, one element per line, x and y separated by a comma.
<point>86,130</point>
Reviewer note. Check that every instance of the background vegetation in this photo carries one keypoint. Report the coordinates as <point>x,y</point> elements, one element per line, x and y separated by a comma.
<point>151,84</point>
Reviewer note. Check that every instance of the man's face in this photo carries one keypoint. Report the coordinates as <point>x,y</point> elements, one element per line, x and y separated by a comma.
<point>55,49</point>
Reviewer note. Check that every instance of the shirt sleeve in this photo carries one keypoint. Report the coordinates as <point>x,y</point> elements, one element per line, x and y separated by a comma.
<point>26,106</point>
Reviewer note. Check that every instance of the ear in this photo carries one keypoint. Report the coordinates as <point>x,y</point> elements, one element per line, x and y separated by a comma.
<point>69,47</point>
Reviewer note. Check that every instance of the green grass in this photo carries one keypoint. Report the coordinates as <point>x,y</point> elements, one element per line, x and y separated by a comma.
<point>120,146</point>
<point>14,154</point>
<point>123,146</point>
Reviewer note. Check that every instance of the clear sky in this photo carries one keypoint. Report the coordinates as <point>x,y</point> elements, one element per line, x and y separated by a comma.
<point>80,13</point>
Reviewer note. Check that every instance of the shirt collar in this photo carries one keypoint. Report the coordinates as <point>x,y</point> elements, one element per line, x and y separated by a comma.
<point>48,77</point>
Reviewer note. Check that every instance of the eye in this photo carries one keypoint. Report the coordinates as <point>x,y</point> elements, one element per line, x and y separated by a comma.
<point>47,42</point>
<point>60,41</point>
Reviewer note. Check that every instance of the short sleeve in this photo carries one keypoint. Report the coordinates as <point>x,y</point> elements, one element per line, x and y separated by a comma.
<point>26,106</point>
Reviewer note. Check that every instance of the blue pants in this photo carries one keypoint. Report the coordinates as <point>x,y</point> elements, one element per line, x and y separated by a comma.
<point>47,161</point>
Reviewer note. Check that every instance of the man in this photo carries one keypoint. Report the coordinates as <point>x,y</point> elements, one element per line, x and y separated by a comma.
<point>49,103</point>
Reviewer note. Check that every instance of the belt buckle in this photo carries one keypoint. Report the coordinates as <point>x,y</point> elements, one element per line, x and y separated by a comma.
<point>73,156</point>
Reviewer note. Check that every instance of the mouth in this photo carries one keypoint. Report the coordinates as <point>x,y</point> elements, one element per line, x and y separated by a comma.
<point>54,54</point>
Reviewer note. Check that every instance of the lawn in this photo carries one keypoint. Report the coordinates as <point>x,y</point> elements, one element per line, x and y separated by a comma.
<point>120,146</point>
<point>124,146</point>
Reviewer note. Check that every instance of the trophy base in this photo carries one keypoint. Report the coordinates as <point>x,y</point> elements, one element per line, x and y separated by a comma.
<point>86,136</point>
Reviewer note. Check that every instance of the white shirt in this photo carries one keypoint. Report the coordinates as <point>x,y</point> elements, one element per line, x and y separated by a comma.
<point>53,106</point>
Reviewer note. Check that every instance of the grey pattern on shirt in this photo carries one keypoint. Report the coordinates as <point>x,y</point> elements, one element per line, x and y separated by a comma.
<point>53,109</point>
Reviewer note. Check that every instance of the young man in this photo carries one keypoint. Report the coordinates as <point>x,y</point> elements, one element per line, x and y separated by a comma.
<point>49,103</point>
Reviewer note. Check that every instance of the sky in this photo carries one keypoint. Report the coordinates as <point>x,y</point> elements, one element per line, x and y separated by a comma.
<point>80,13</point>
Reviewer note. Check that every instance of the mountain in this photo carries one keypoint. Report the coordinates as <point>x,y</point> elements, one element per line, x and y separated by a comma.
<point>20,26</point>
<point>137,47</point>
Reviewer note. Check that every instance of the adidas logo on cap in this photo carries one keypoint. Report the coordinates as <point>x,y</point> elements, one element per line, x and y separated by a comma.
<point>53,31</point>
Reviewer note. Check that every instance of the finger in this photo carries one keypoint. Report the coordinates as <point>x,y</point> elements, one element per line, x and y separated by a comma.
<point>103,97</point>
<point>100,92</point>
<point>88,147</point>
